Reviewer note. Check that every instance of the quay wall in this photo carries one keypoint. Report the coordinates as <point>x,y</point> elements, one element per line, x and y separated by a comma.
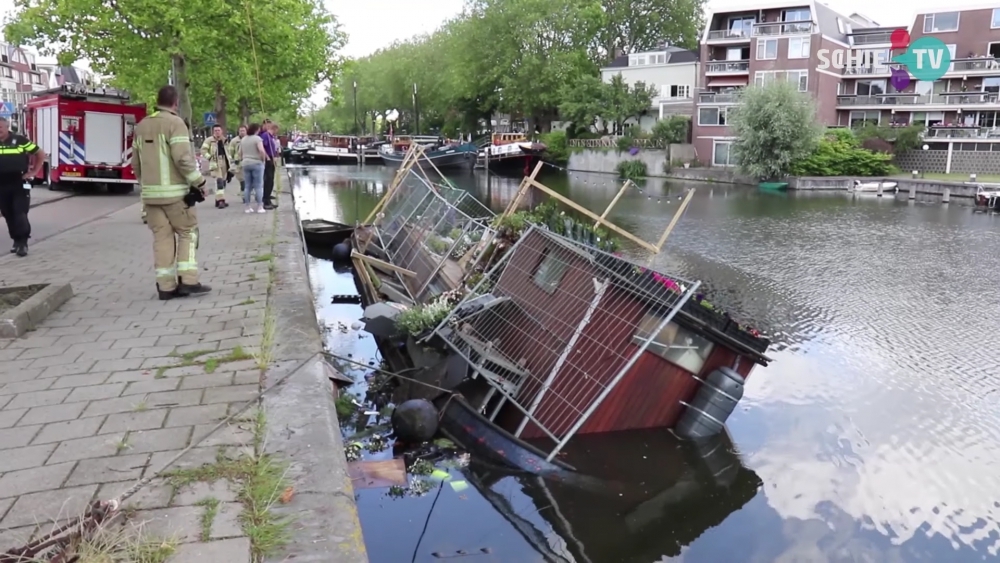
<point>604,161</point>
<point>912,186</point>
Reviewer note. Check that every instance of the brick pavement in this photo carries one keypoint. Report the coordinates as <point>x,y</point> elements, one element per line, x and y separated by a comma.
<point>90,402</point>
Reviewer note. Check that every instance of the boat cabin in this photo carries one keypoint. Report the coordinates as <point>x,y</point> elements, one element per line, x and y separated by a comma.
<point>508,138</point>
<point>339,141</point>
<point>563,336</point>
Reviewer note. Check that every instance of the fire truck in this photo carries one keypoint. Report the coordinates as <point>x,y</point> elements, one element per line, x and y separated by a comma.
<point>87,133</point>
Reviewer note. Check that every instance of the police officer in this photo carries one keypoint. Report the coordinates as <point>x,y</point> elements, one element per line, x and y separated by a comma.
<point>169,196</point>
<point>20,161</point>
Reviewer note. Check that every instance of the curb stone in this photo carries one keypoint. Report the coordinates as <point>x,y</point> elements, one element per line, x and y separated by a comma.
<point>29,314</point>
<point>302,426</point>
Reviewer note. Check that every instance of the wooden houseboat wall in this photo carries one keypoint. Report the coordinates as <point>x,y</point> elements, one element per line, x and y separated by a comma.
<point>647,396</point>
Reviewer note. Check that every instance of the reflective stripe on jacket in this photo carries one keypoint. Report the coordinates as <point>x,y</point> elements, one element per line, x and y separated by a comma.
<point>164,162</point>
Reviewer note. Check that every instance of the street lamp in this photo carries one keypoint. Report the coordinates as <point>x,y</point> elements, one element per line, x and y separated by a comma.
<point>356,127</point>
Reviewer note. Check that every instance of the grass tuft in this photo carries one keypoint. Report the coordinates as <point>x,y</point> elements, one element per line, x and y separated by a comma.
<point>263,258</point>
<point>124,543</point>
<point>211,506</point>
<point>248,301</point>
<point>211,365</point>
<point>123,444</point>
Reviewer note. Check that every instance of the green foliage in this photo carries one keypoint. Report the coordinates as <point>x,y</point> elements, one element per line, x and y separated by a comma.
<point>420,318</point>
<point>631,169</point>
<point>436,245</point>
<point>902,138</point>
<point>672,130</point>
<point>548,214</point>
<point>532,58</point>
<point>839,154</point>
<point>556,146</point>
<point>137,42</point>
<point>775,126</point>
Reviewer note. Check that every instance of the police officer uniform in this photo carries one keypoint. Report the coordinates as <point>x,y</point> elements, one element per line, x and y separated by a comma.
<point>15,191</point>
<point>167,171</point>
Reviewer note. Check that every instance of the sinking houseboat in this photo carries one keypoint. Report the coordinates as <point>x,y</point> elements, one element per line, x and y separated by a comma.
<point>441,153</point>
<point>510,153</point>
<point>539,335</point>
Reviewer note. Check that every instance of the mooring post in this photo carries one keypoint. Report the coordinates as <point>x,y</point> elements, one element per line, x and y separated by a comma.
<point>913,192</point>
<point>879,192</point>
<point>946,196</point>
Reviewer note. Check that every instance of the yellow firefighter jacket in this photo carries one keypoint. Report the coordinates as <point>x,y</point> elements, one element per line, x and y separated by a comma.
<point>218,164</point>
<point>236,149</point>
<point>163,160</point>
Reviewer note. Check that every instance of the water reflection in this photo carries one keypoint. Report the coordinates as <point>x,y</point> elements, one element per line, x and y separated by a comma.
<point>874,432</point>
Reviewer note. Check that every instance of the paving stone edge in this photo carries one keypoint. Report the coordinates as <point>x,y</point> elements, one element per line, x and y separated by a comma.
<point>29,314</point>
<point>302,426</point>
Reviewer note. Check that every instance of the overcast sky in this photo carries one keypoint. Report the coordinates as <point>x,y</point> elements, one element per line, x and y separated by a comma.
<point>372,24</point>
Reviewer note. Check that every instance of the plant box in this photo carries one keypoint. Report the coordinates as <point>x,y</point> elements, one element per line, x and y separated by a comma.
<point>756,343</point>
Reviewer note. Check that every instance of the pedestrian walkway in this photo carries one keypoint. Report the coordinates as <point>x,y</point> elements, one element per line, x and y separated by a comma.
<point>115,383</point>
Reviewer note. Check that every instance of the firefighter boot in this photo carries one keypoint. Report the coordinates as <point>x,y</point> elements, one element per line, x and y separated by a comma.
<point>184,290</point>
<point>20,248</point>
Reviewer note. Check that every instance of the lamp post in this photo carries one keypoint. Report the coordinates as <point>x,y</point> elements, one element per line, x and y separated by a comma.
<point>416,110</point>
<point>926,148</point>
<point>356,126</point>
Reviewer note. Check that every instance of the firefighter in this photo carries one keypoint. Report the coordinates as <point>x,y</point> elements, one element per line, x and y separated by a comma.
<point>220,161</point>
<point>20,161</point>
<point>162,140</point>
<point>237,152</point>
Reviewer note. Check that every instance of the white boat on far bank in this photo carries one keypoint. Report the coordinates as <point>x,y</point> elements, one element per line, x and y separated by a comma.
<point>882,186</point>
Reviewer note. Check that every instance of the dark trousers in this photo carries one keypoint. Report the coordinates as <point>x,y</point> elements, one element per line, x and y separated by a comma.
<point>14,204</point>
<point>268,182</point>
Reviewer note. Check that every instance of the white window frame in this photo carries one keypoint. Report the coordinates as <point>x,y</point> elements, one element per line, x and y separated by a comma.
<point>850,119</point>
<point>882,81</point>
<point>752,19</point>
<point>803,50</point>
<point>932,19</point>
<point>993,21</point>
<point>763,43</point>
<point>683,91</point>
<point>721,121</point>
<point>729,155</point>
<point>761,77</point>
<point>802,79</point>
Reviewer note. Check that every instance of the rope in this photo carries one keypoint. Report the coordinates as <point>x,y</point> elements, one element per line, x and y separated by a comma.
<point>253,47</point>
<point>101,511</point>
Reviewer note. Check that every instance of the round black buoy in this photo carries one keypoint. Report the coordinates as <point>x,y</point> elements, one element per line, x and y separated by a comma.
<point>415,420</point>
<point>342,251</point>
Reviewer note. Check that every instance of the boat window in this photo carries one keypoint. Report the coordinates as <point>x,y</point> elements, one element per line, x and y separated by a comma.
<point>549,271</point>
<point>676,344</point>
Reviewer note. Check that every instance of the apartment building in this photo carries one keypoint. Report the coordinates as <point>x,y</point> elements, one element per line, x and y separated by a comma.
<point>19,77</point>
<point>672,71</point>
<point>961,111</point>
<point>60,75</point>
<point>773,41</point>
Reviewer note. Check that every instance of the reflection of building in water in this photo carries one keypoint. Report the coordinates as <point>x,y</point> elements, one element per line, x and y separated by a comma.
<point>661,494</point>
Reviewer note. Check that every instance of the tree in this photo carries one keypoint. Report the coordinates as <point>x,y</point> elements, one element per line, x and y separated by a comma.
<point>631,26</point>
<point>207,47</point>
<point>775,125</point>
<point>582,102</point>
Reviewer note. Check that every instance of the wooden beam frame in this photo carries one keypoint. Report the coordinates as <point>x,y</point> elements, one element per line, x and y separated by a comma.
<point>383,264</point>
<point>675,219</point>
<point>600,220</point>
<point>618,196</point>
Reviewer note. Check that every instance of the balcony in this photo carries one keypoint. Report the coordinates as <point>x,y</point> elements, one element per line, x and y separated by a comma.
<point>962,132</point>
<point>913,99</point>
<point>729,35</point>
<point>875,70</point>
<point>879,38</point>
<point>718,98</point>
<point>975,64</point>
<point>783,28</point>
<point>727,67</point>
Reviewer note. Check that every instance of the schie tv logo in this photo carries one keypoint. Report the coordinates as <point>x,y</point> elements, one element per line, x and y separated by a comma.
<point>926,58</point>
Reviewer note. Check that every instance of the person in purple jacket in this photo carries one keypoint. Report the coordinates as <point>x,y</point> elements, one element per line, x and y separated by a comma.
<point>269,143</point>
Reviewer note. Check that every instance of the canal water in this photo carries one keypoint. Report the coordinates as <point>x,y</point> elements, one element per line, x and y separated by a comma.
<point>873,436</point>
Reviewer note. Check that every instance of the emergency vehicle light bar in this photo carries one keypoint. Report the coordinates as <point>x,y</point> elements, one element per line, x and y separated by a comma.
<point>84,90</point>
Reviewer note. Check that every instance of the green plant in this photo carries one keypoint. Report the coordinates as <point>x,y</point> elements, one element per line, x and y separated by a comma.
<point>420,318</point>
<point>436,245</point>
<point>556,146</point>
<point>671,130</point>
<point>631,169</point>
<point>902,138</point>
<point>625,144</point>
<point>455,233</point>
<point>839,154</point>
<point>775,125</point>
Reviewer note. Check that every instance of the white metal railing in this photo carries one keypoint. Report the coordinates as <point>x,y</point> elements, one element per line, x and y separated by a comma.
<point>783,28</point>
<point>971,132</point>
<point>974,64</point>
<point>944,98</point>
<point>727,67</point>
<point>718,98</point>
<point>872,38</point>
<point>871,70</point>
<point>728,34</point>
<point>544,327</point>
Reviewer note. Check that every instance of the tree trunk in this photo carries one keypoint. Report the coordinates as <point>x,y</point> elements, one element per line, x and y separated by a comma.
<point>179,70</point>
<point>244,112</point>
<point>220,107</point>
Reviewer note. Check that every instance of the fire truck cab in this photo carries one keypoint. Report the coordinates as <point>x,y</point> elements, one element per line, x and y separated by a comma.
<point>87,133</point>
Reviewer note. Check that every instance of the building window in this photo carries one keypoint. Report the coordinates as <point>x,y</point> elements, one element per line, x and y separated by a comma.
<point>798,48</point>
<point>862,118</point>
<point>676,344</point>
<point>996,18</point>
<point>676,91</point>
<point>659,59</point>
<point>795,15</point>
<point>17,76</point>
<point>741,26</point>
<point>869,87</point>
<point>929,118</point>
<point>900,119</point>
<point>798,77</point>
<point>941,23</point>
<point>767,49</point>
<point>549,271</point>
<point>711,116</point>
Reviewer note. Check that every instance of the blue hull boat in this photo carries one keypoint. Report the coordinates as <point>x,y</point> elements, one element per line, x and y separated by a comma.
<point>453,156</point>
